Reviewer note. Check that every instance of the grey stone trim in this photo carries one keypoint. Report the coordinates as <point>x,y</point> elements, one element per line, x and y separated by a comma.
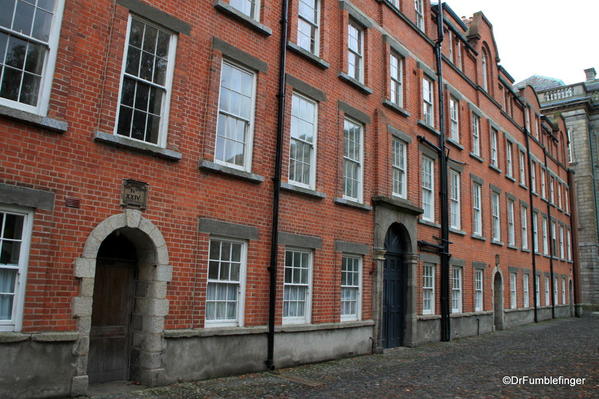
<point>353,112</point>
<point>495,188</point>
<point>238,55</point>
<point>479,265</point>
<point>300,241</point>
<point>355,83</point>
<point>399,134</point>
<point>319,62</point>
<point>495,168</point>
<point>138,146</point>
<point>457,262</point>
<point>302,190</point>
<point>251,23</point>
<point>428,127</point>
<point>429,152</point>
<point>508,137</point>
<point>525,271</point>
<point>458,232</point>
<point>398,203</point>
<point>477,179</point>
<point>352,247</point>
<point>513,269</point>
<point>293,328</point>
<point>13,337</point>
<point>214,332</point>
<point>511,197</point>
<point>524,204</point>
<point>476,110</point>
<point>495,126</point>
<point>480,238</point>
<point>547,274</point>
<point>156,15</point>
<point>218,168</point>
<point>356,14</point>
<point>396,108</point>
<point>427,223</point>
<point>455,166</point>
<point>50,124</point>
<point>227,229</point>
<point>57,336</point>
<point>427,70</point>
<point>453,92</point>
<point>353,204</point>
<point>455,143</point>
<point>430,258</point>
<point>28,197</point>
<point>498,243</point>
<point>396,46</point>
<point>510,246</point>
<point>305,88</point>
<point>477,157</point>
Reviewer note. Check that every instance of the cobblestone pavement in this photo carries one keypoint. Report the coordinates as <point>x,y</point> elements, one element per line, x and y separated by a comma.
<point>466,368</point>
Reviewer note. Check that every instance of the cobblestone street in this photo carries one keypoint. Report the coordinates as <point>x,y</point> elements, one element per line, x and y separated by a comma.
<point>466,368</point>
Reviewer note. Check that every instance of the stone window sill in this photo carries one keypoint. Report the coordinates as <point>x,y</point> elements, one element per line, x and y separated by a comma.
<point>394,107</point>
<point>509,246</point>
<point>353,204</point>
<point>319,62</point>
<point>428,127</point>
<point>498,243</point>
<point>455,144</point>
<point>353,82</point>
<point>456,231</point>
<point>510,178</point>
<point>427,223</point>
<point>477,157</point>
<point>236,14</point>
<point>138,146</point>
<point>44,122</point>
<point>481,238</point>
<point>495,168</point>
<point>225,170</point>
<point>301,190</point>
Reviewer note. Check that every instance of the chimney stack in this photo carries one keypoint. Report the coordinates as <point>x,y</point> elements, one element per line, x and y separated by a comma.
<point>591,74</point>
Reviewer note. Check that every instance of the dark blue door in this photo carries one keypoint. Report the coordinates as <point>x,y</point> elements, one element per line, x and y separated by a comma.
<point>394,294</point>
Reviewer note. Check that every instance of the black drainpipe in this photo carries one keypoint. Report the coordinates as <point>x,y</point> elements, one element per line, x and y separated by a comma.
<point>444,252</point>
<point>277,188</point>
<point>550,236</point>
<point>532,218</point>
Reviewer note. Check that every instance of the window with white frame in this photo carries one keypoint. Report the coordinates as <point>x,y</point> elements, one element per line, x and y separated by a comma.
<point>396,79</point>
<point>297,296</point>
<point>495,220</point>
<point>308,25</point>
<point>494,159</point>
<point>459,54</point>
<point>226,278</point>
<point>509,159</point>
<point>563,290</point>
<point>513,291</point>
<point>555,291</point>
<point>524,226</point>
<point>511,230</point>
<point>545,237</point>
<point>15,238</point>
<point>302,149</point>
<point>551,190</point>
<point>568,245</point>
<point>419,9</point>
<point>527,119</point>
<point>428,113</point>
<point>352,160</point>
<point>29,34</point>
<point>456,290</point>
<point>543,185</point>
<point>570,146</point>
<point>477,215</point>
<point>478,290</point>
<point>559,195</point>
<point>475,134</point>
<point>537,291</point>
<point>428,186</point>
<point>351,287</point>
<point>535,231</point>
<point>450,47</point>
<point>251,8</point>
<point>533,177</point>
<point>562,252</point>
<point>399,168</point>
<point>454,117</point>
<point>522,168</point>
<point>484,66</point>
<point>428,289</point>
<point>566,200</point>
<point>355,51</point>
<point>553,239</point>
<point>235,117</point>
<point>146,82</point>
<point>526,297</point>
<point>454,200</point>
<point>546,291</point>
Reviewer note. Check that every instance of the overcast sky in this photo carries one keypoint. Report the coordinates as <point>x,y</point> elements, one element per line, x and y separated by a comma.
<point>553,38</point>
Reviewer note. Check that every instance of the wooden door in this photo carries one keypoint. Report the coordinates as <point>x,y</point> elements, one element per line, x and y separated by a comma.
<point>394,292</point>
<point>110,337</point>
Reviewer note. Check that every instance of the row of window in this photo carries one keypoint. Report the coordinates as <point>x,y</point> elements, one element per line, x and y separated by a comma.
<point>456,280</point>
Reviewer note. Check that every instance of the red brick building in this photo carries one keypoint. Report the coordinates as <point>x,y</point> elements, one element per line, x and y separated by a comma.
<point>138,181</point>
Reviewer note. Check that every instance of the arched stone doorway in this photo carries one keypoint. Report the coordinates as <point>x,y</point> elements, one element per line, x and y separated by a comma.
<point>498,301</point>
<point>395,286</point>
<point>125,256</point>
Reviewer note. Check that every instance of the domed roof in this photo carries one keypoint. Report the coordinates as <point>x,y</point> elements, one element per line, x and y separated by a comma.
<point>540,83</point>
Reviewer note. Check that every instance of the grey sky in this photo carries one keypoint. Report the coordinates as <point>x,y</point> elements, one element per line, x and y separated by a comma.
<point>546,37</point>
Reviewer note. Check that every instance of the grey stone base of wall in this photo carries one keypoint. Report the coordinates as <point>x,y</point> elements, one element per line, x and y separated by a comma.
<point>34,368</point>
<point>463,325</point>
<point>517,317</point>
<point>199,355</point>
<point>587,309</point>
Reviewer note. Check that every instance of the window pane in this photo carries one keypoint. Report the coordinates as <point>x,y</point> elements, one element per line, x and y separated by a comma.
<point>41,27</point>
<point>23,18</point>
<point>8,7</point>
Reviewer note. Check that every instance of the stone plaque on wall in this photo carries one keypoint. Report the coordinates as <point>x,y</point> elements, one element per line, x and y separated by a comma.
<point>134,194</point>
